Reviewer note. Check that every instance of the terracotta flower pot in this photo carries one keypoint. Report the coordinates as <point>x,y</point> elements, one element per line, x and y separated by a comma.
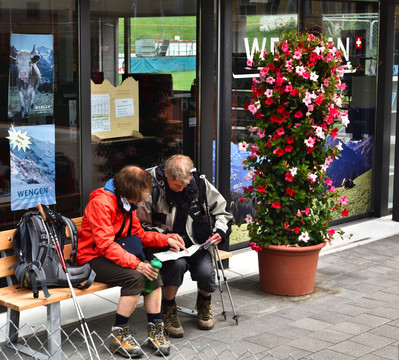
<point>288,270</point>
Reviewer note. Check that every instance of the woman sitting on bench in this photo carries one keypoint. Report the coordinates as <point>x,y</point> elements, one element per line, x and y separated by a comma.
<point>109,216</point>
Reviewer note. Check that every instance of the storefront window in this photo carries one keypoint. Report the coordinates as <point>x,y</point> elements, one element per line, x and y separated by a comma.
<point>353,26</point>
<point>143,84</point>
<point>39,129</point>
<point>255,27</point>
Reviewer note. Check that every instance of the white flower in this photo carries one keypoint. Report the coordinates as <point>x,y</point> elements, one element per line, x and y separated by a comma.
<point>345,120</point>
<point>339,146</point>
<point>319,132</point>
<point>243,146</point>
<point>313,76</point>
<point>293,171</point>
<point>304,237</point>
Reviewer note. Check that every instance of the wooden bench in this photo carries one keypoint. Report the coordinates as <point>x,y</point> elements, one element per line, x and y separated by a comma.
<point>17,299</point>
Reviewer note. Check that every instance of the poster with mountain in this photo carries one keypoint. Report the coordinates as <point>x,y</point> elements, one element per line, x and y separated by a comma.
<point>31,76</point>
<point>32,164</point>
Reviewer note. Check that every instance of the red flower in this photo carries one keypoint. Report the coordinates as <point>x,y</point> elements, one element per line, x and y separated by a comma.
<point>288,148</point>
<point>242,199</point>
<point>269,101</point>
<point>280,109</point>
<point>290,140</point>
<point>279,152</point>
<point>334,133</point>
<point>345,212</point>
<point>275,119</point>
<point>296,230</point>
<point>248,189</point>
<point>276,205</point>
<point>261,189</point>
<point>289,177</point>
<point>290,192</point>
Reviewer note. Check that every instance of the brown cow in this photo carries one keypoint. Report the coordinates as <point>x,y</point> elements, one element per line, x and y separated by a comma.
<point>28,78</point>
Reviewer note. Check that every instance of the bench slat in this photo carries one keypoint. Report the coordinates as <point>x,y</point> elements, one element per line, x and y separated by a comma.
<point>22,299</point>
<point>5,263</point>
<point>6,239</point>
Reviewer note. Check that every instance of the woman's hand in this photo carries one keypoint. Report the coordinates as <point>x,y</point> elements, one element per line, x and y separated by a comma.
<point>147,270</point>
<point>176,242</point>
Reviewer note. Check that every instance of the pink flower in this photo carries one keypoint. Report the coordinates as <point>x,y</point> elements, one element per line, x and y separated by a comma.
<point>344,200</point>
<point>250,62</point>
<point>261,134</point>
<point>298,114</point>
<point>280,131</point>
<point>252,108</point>
<point>248,219</point>
<point>310,142</point>
<point>306,211</point>
<point>331,232</point>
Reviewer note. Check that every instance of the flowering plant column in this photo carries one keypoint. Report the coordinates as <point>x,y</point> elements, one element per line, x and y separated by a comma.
<point>297,104</point>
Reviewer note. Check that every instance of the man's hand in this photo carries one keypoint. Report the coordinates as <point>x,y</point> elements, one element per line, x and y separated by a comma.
<point>176,242</point>
<point>147,270</point>
<point>215,237</point>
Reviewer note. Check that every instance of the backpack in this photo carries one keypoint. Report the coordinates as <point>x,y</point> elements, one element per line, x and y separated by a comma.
<point>38,264</point>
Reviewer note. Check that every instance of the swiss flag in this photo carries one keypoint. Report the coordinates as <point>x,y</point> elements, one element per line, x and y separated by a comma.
<point>358,42</point>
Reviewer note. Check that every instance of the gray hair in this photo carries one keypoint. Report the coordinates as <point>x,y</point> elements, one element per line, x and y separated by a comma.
<point>179,166</point>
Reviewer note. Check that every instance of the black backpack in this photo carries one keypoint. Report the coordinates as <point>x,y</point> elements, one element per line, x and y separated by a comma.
<point>38,264</point>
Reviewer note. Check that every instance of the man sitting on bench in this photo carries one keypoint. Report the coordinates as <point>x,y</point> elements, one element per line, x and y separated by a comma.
<point>184,203</point>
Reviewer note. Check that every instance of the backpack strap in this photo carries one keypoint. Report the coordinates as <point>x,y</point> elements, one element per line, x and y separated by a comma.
<point>40,238</point>
<point>73,231</point>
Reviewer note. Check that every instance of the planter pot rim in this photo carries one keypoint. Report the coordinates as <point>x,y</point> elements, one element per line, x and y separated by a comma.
<point>294,248</point>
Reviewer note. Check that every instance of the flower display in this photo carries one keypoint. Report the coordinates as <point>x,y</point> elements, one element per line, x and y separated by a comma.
<point>297,102</point>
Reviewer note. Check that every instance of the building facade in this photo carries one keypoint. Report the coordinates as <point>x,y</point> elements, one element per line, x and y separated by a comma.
<point>92,85</point>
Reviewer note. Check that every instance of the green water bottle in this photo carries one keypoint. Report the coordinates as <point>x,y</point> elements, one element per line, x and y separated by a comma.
<point>150,284</point>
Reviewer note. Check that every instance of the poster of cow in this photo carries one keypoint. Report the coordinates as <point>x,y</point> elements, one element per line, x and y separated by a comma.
<point>31,79</point>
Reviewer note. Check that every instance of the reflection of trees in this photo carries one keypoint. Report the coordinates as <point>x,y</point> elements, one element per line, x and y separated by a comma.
<point>162,138</point>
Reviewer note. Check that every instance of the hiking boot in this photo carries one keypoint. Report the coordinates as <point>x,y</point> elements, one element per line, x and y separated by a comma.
<point>205,315</point>
<point>172,323</point>
<point>123,342</point>
<point>157,339</point>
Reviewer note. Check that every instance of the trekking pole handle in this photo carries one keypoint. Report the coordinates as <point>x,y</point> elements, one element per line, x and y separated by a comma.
<point>39,207</point>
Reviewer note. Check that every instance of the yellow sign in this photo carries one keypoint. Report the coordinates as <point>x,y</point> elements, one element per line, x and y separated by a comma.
<point>115,110</point>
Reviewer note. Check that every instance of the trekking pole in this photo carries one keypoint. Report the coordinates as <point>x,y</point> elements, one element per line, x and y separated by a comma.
<point>219,261</point>
<point>224,312</point>
<point>53,236</point>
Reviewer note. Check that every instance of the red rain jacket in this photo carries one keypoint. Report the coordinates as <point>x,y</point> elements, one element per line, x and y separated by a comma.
<point>102,219</point>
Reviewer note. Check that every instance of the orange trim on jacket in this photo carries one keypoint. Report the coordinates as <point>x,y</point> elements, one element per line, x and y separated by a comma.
<point>102,219</point>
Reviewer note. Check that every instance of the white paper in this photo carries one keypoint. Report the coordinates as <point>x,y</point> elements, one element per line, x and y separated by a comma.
<point>100,113</point>
<point>173,255</point>
<point>124,107</point>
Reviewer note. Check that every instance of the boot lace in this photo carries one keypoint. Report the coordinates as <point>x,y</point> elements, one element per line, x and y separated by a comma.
<point>159,334</point>
<point>171,317</point>
<point>204,311</point>
<point>126,335</point>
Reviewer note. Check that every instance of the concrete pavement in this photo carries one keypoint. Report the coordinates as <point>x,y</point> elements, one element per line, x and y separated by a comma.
<point>352,314</point>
